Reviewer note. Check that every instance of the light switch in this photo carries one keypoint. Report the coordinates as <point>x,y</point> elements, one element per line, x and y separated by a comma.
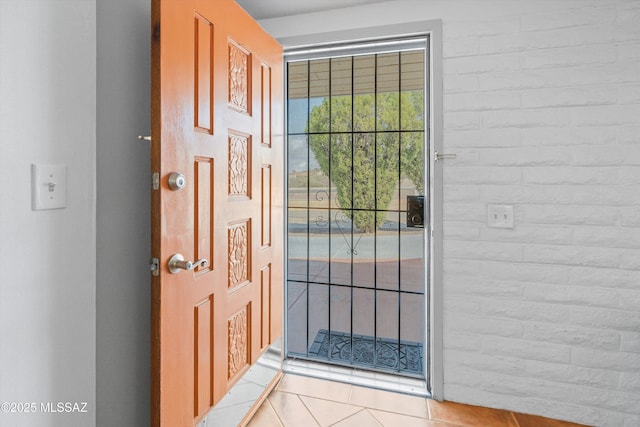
<point>500,216</point>
<point>49,186</point>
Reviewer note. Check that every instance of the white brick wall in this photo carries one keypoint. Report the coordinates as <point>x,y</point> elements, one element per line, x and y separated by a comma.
<point>542,107</point>
<point>543,110</point>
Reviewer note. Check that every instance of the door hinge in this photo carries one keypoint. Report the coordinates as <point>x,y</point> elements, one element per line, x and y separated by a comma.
<point>155,180</point>
<point>154,264</point>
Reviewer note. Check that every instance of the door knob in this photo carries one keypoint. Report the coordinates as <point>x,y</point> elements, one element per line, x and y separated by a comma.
<point>177,263</point>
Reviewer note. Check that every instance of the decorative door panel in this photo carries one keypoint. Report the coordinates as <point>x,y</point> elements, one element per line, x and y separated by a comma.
<point>239,254</point>
<point>204,236</point>
<point>203,94</point>
<point>239,78</point>
<point>239,164</point>
<point>239,347</point>
<point>217,99</point>
<point>265,103</point>
<point>265,306</point>
<point>203,357</point>
<point>265,236</point>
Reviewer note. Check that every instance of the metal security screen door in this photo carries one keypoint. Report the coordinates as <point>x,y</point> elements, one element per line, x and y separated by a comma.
<point>356,242</point>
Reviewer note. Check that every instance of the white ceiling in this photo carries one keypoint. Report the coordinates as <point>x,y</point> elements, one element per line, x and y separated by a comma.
<point>265,9</point>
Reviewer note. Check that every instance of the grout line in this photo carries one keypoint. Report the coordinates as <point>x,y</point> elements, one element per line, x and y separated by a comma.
<point>277,387</point>
<point>308,410</point>
<point>374,416</point>
<point>288,392</point>
<point>350,393</point>
<point>349,416</point>
<point>268,401</point>
<point>353,415</point>
<point>438,420</point>
<point>515,419</point>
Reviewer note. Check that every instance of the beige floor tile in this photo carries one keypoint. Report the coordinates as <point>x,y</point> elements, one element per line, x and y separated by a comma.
<point>313,387</point>
<point>265,417</point>
<point>291,410</point>
<point>328,403</point>
<point>361,419</point>
<point>390,402</point>
<point>391,419</point>
<point>327,412</point>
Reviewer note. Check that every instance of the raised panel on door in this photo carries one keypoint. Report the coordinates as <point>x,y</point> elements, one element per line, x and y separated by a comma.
<point>216,102</point>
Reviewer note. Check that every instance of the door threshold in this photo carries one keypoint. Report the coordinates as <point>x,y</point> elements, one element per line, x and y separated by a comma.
<point>376,380</point>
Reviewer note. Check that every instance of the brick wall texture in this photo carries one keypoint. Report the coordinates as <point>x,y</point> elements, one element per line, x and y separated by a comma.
<point>543,112</point>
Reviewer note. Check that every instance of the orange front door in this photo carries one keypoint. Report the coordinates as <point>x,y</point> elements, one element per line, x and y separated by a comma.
<point>216,121</point>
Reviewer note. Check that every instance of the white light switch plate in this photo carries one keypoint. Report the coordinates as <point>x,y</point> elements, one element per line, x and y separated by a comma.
<point>49,186</point>
<point>500,216</point>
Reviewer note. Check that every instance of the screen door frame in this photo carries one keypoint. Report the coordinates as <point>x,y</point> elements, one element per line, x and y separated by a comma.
<point>375,39</point>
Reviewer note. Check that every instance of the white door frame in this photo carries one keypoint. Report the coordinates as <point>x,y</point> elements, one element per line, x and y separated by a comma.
<point>434,309</point>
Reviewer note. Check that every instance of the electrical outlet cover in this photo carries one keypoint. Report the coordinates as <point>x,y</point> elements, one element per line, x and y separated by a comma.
<point>500,216</point>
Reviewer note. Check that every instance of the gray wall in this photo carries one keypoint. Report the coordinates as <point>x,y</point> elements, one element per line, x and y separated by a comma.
<point>47,258</point>
<point>123,176</point>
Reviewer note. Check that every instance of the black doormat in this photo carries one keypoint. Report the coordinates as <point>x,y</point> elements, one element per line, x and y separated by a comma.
<point>409,359</point>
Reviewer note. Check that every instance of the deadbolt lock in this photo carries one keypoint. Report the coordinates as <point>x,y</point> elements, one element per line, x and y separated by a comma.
<point>177,181</point>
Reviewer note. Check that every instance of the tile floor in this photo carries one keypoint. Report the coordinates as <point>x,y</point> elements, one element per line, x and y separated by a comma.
<point>306,402</point>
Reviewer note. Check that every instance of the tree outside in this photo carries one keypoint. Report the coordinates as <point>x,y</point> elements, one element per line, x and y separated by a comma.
<point>369,144</point>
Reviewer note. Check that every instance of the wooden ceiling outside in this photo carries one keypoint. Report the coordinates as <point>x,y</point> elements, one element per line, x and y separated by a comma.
<point>395,71</point>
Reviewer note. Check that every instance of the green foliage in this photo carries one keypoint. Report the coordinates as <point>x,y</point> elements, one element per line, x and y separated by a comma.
<point>368,153</point>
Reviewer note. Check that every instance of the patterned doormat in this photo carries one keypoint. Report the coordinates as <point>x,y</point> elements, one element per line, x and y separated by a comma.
<point>409,359</point>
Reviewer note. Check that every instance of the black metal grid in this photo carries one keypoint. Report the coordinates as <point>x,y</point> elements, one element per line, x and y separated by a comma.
<point>400,344</point>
